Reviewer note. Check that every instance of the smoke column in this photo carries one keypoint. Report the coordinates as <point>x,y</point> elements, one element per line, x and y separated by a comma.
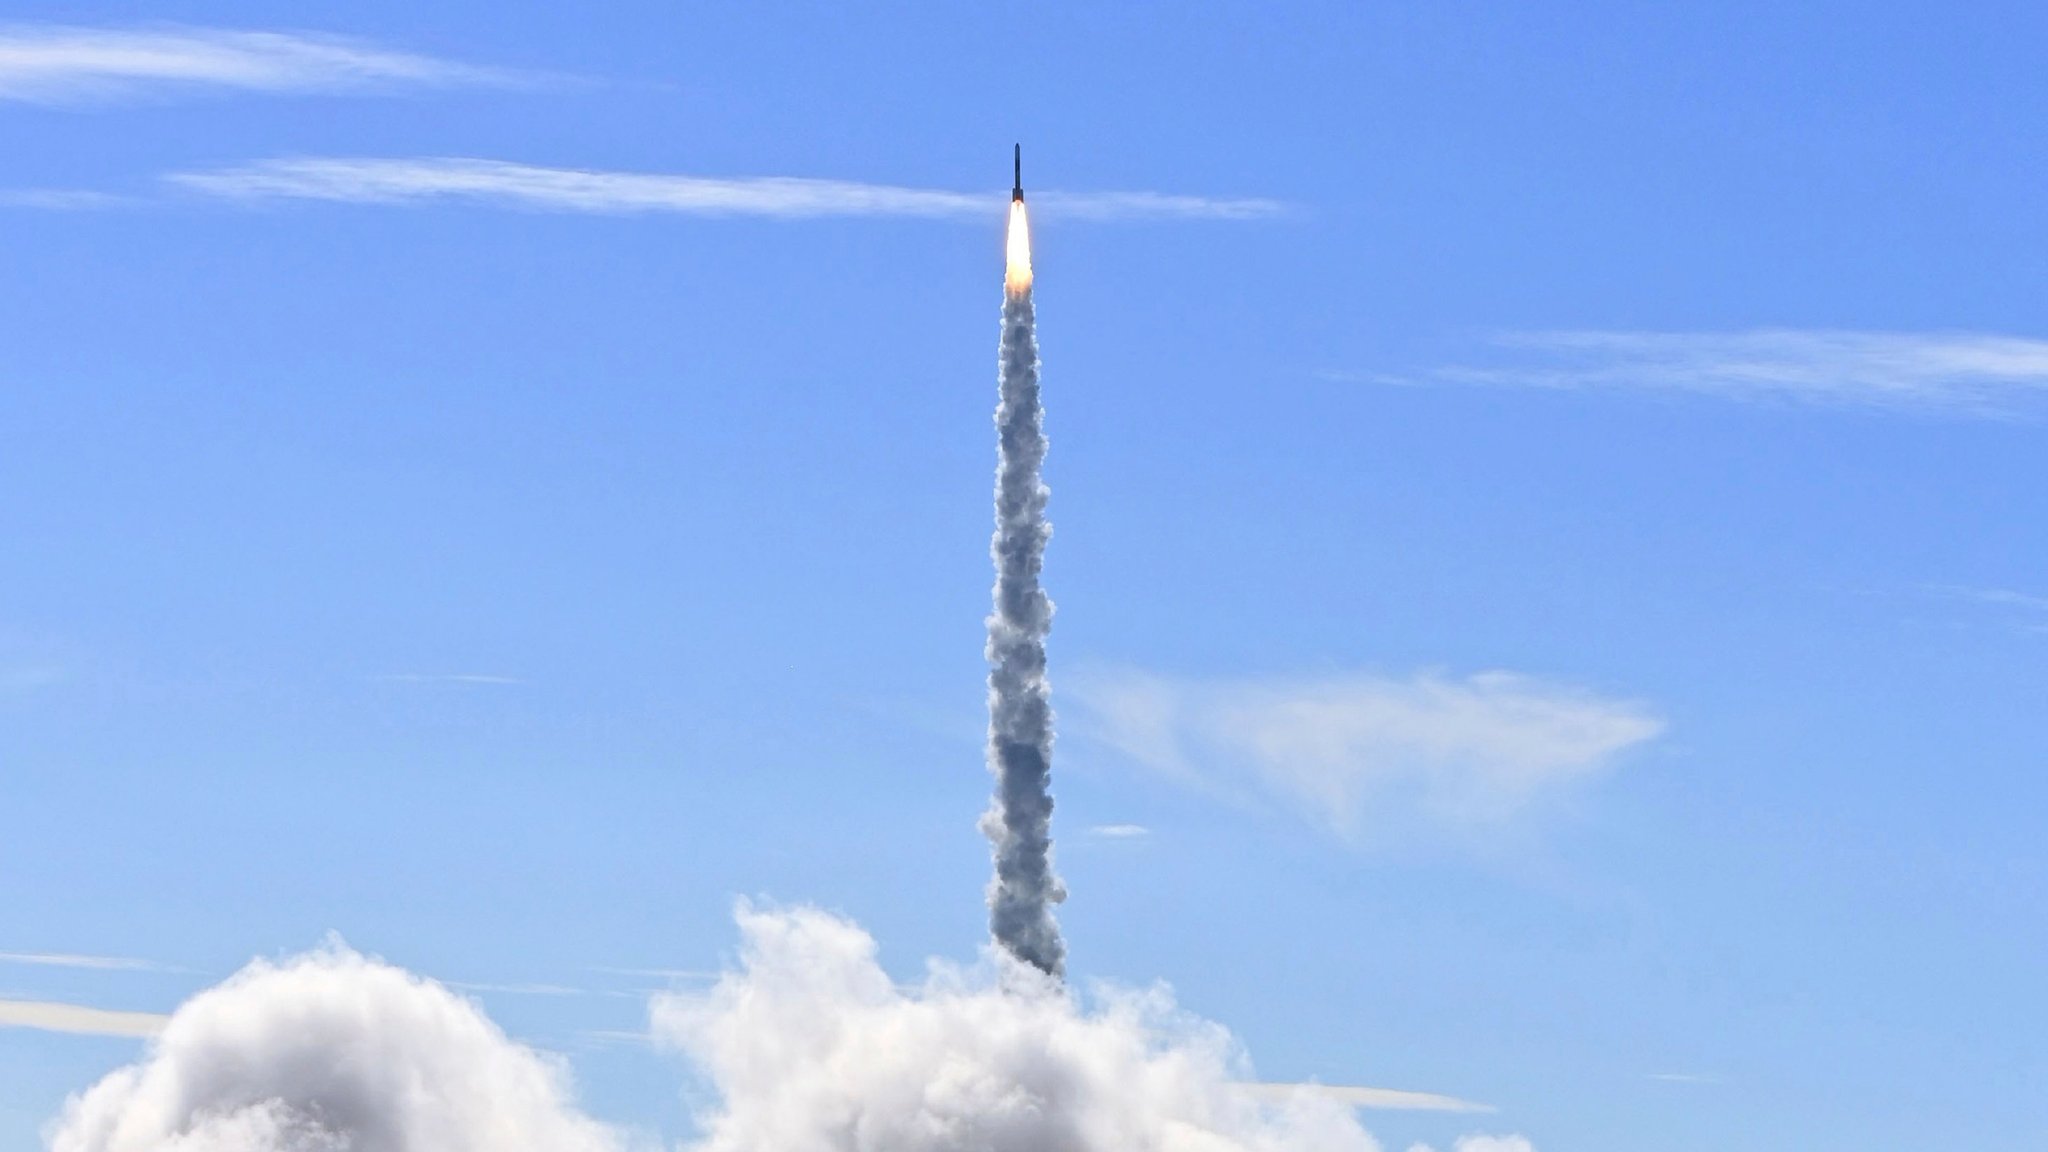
<point>1019,821</point>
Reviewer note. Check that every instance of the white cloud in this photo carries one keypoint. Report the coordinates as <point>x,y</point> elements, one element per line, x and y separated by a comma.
<point>1151,206</point>
<point>1375,758</point>
<point>807,1044</point>
<point>61,199</point>
<point>1120,831</point>
<point>62,64</point>
<point>70,960</point>
<point>614,1038</point>
<point>1493,1144</point>
<point>448,678</point>
<point>1960,372</point>
<point>2024,612</point>
<point>2006,597</point>
<point>811,1045</point>
<point>521,989</point>
<point>495,182</point>
<point>1378,1099</point>
<point>694,975</point>
<point>77,1018</point>
<point>327,1052</point>
<point>1483,1144</point>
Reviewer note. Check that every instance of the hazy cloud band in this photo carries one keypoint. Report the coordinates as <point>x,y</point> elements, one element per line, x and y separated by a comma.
<point>1359,1096</point>
<point>78,1019</point>
<point>405,182</point>
<point>1961,372</point>
<point>64,64</point>
<point>72,960</point>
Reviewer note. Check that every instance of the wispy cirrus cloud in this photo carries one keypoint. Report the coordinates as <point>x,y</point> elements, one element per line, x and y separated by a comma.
<point>1153,206</point>
<point>520,989</point>
<point>72,960</point>
<point>676,975</point>
<point>67,64</point>
<point>46,1016</point>
<point>63,199</point>
<point>1119,831</point>
<point>28,677</point>
<point>447,678</point>
<point>2023,612</point>
<point>1358,1096</point>
<point>1964,373</point>
<point>1374,758</point>
<point>497,183</point>
<point>2005,597</point>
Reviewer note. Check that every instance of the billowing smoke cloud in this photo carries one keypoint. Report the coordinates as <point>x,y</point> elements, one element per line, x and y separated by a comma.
<point>1019,822</point>
<point>811,1047</point>
<point>330,1052</point>
<point>806,1045</point>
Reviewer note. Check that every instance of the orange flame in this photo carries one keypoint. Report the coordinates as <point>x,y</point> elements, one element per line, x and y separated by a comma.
<point>1017,273</point>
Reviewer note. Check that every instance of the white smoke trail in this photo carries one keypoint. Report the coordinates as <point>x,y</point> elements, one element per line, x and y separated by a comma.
<point>809,1045</point>
<point>1019,822</point>
<point>330,1052</point>
<point>812,1048</point>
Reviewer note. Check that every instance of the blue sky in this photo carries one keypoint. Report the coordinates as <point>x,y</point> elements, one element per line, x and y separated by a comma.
<point>1551,602</point>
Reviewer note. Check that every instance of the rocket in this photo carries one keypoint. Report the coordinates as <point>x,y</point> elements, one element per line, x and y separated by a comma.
<point>1017,241</point>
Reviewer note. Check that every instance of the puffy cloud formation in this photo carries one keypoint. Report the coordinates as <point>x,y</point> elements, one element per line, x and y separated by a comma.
<point>330,1052</point>
<point>811,1048</point>
<point>807,1045</point>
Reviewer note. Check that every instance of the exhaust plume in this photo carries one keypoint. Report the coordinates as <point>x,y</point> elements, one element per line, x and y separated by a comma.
<point>806,1045</point>
<point>809,1046</point>
<point>1019,821</point>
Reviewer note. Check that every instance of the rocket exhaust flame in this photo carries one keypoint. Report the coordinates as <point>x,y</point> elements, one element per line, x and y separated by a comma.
<point>1017,266</point>
<point>1019,821</point>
